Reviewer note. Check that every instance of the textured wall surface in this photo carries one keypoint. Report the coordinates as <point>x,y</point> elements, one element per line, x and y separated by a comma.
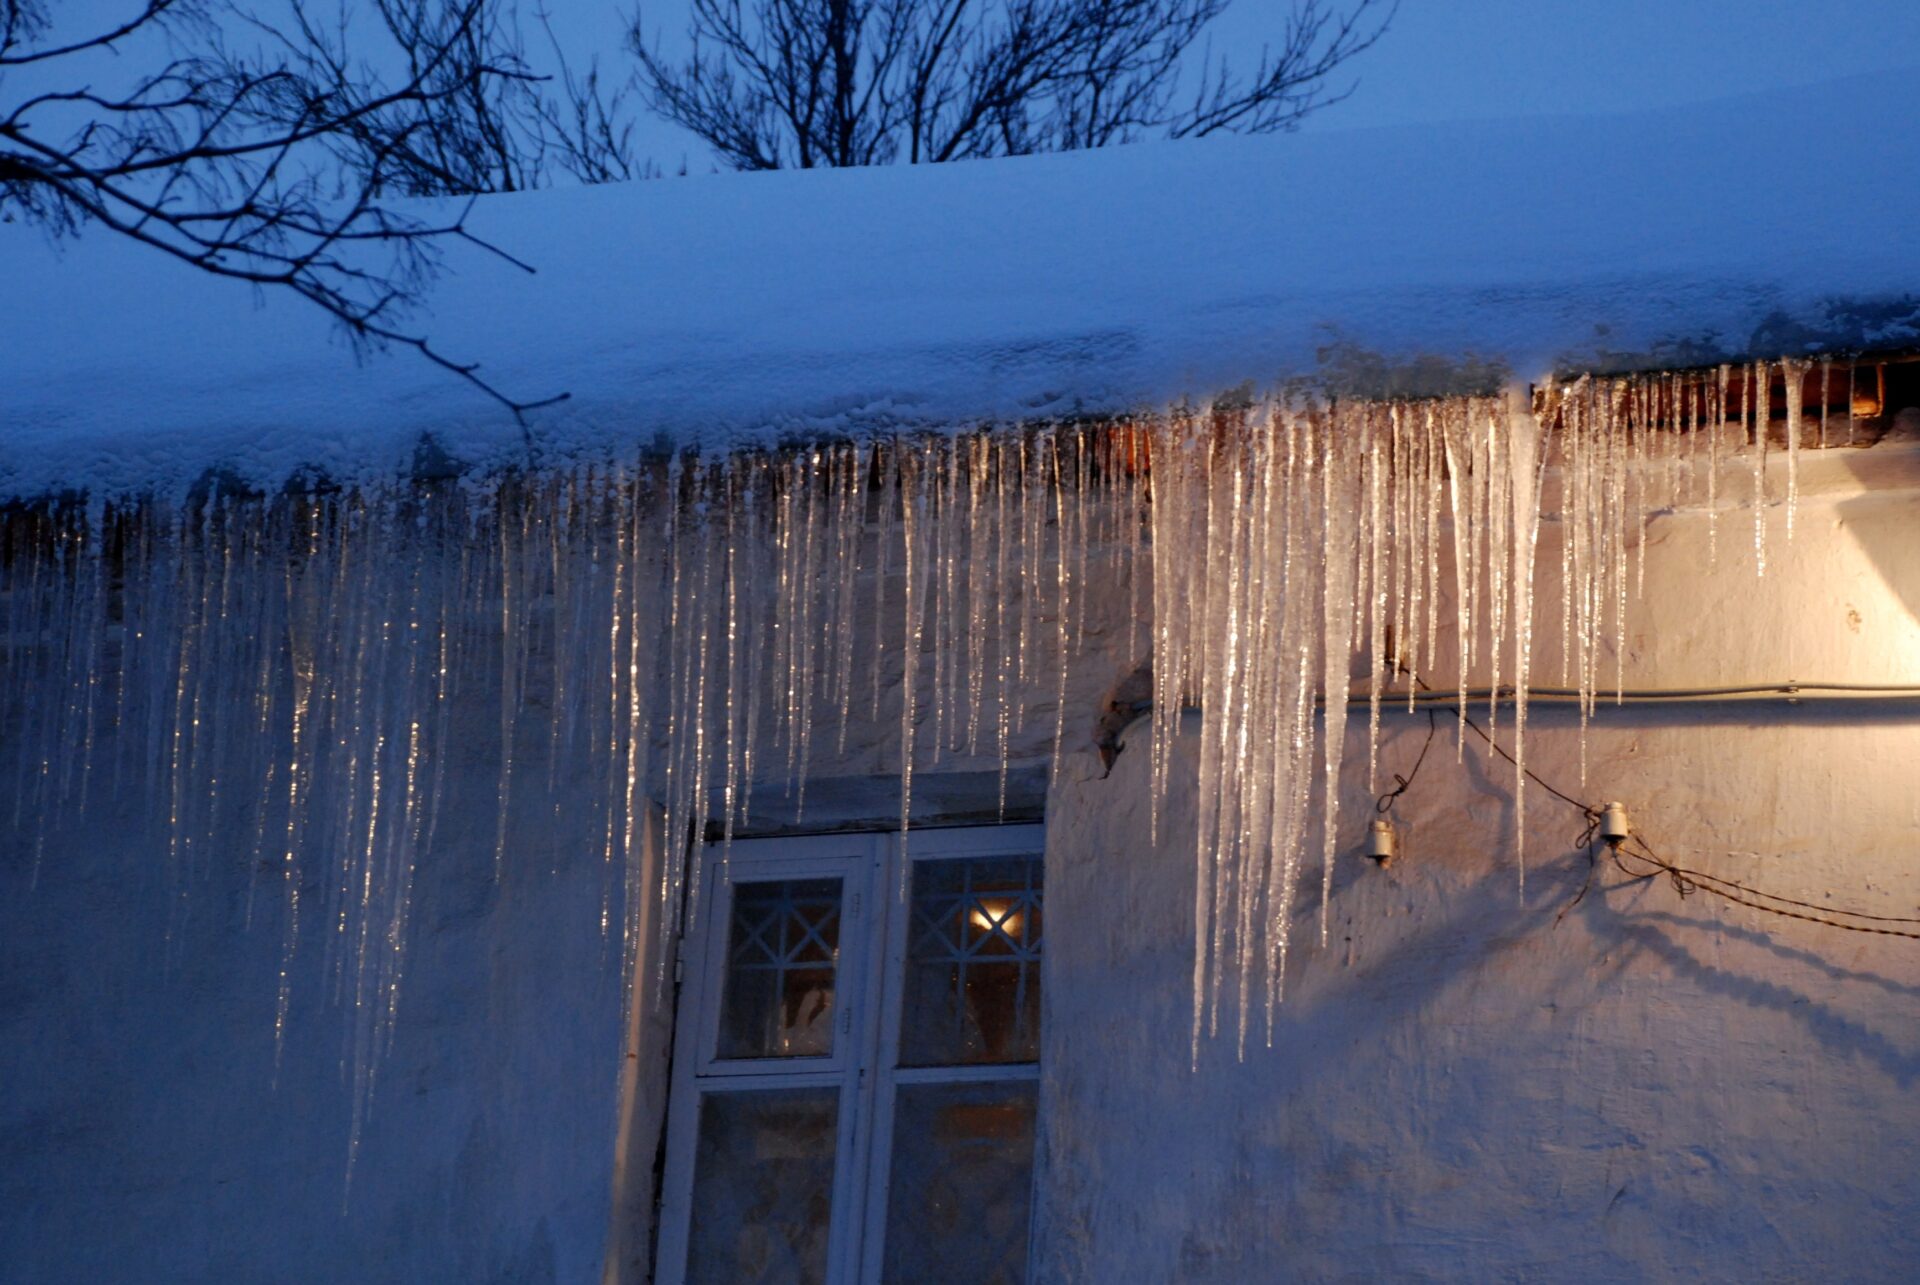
<point>145,1134</point>
<point>1653,1088</point>
<point>1460,1087</point>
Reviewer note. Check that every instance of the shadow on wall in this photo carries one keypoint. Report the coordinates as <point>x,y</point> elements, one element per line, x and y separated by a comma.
<point>1883,527</point>
<point>1460,1085</point>
<point>1629,924</point>
<point>1614,913</point>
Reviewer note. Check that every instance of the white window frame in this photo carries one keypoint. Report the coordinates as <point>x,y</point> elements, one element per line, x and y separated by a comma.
<point>869,984</point>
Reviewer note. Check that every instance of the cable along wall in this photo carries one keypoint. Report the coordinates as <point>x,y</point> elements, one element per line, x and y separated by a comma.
<point>284,674</point>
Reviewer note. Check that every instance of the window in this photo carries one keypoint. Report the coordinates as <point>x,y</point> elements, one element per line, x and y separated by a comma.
<point>856,1071</point>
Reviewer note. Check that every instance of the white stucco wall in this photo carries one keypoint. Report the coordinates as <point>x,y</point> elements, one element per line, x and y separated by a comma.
<point>1459,1088</point>
<point>145,1134</point>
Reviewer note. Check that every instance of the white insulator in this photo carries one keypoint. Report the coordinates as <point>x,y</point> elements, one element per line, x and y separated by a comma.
<point>1382,842</point>
<point>1614,825</point>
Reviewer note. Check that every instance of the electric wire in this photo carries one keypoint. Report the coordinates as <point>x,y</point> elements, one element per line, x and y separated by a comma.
<point>1402,784</point>
<point>1685,881</point>
<point>1792,691</point>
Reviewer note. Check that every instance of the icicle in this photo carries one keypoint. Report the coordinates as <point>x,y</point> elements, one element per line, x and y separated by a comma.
<point>940,539</point>
<point>1694,390</point>
<point>1794,373</point>
<point>1478,424</point>
<point>716,604</point>
<point>1754,412</point>
<point>1626,517</point>
<point>1826,394</point>
<point>1033,528</point>
<point>1230,901</point>
<point>1419,551</point>
<point>1339,515</point>
<point>1717,421</point>
<point>1083,495</point>
<point>1399,470</point>
<point>1852,369</point>
<point>1260,716</point>
<point>811,541</point>
<point>1295,781</point>
<point>1003,685</point>
<point>979,456</point>
<point>1065,590</point>
<point>1530,443</point>
<point>789,597</point>
<point>889,462</point>
<point>1133,466</point>
<point>1576,532</point>
<point>1640,474</point>
<point>1460,488</point>
<point>1433,460</point>
<point>510,638</point>
<point>916,482</point>
<point>1499,549</point>
<point>1209,921</point>
<point>1376,543</point>
<point>739,511</point>
<point>853,526</point>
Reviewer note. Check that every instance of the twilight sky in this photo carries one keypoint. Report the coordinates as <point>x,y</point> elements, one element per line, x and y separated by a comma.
<point>1460,59</point>
<point>1443,60</point>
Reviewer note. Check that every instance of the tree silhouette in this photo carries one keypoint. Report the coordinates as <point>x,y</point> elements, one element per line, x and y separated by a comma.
<point>803,83</point>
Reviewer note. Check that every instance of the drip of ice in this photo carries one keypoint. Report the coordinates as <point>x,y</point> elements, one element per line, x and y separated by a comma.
<point>1377,593</point>
<point>1339,519</point>
<point>298,670</point>
<point>1753,411</point>
<point>1795,373</point>
<point>1826,396</point>
<point>1852,392</point>
<point>1716,426</point>
<point>1529,461</point>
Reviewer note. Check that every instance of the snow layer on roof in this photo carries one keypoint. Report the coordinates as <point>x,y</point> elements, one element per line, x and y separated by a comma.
<point>747,307</point>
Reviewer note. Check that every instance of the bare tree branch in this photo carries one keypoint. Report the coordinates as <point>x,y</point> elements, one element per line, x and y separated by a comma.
<point>278,162</point>
<point>774,84</point>
<point>277,165</point>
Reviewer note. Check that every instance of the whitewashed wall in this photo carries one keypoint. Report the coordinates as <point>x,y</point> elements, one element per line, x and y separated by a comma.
<point>145,1134</point>
<point>1457,1087</point>
<point>1460,1088</point>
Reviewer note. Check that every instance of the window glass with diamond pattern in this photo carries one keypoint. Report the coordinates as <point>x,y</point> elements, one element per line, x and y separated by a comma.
<point>973,963</point>
<point>781,957</point>
<point>862,1100</point>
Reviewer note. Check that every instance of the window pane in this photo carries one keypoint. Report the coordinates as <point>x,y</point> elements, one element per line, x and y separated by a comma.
<point>962,1181</point>
<point>781,954</point>
<point>973,963</point>
<point>763,1187</point>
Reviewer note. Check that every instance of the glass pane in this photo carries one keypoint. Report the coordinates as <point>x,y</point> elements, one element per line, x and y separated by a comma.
<point>961,1184</point>
<point>763,1186</point>
<point>781,953</point>
<point>973,963</point>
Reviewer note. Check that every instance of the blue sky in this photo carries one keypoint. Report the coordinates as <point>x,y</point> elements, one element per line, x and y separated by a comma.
<point>1475,58</point>
<point>1462,59</point>
<point>1443,60</point>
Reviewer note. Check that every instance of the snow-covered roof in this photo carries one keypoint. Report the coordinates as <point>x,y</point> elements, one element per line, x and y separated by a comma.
<point>743,307</point>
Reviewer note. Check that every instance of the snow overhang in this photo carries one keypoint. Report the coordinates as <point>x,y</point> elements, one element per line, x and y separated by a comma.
<point>744,309</point>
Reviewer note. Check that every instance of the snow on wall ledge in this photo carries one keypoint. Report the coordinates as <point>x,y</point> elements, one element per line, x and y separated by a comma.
<point>749,307</point>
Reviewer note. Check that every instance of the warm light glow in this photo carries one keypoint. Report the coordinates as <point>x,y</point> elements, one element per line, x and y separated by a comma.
<point>993,913</point>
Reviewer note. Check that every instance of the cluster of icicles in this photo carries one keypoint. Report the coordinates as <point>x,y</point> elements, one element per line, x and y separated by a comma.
<point>289,676</point>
